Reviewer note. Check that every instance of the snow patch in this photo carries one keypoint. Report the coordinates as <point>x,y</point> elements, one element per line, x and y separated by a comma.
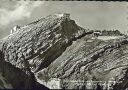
<point>53,83</point>
<point>60,15</point>
<point>108,37</point>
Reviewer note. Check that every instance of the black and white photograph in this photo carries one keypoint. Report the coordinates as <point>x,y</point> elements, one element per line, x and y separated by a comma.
<point>81,45</point>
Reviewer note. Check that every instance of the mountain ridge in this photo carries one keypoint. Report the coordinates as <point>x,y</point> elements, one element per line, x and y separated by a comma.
<point>56,47</point>
<point>31,48</point>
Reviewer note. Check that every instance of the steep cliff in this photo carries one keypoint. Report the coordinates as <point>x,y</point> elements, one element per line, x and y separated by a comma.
<point>35,46</point>
<point>14,78</point>
<point>35,43</point>
<point>56,47</point>
<point>89,62</point>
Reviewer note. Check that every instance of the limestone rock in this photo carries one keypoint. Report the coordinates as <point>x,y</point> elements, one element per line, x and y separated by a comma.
<point>90,62</point>
<point>35,46</point>
<point>36,42</point>
<point>56,47</point>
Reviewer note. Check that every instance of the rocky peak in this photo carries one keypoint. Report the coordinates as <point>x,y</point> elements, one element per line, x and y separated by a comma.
<point>34,44</point>
<point>56,47</point>
<point>15,29</point>
<point>64,15</point>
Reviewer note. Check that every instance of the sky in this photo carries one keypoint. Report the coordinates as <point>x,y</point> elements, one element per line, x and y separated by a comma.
<point>88,14</point>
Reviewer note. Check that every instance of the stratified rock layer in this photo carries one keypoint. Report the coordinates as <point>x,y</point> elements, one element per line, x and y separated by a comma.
<point>14,78</point>
<point>56,47</point>
<point>33,47</point>
<point>92,60</point>
<point>40,42</point>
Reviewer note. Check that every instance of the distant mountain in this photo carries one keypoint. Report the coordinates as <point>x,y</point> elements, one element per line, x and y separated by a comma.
<point>109,32</point>
<point>56,47</point>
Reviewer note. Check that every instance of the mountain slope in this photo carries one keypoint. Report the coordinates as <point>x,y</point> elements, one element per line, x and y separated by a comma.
<point>36,42</point>
<point>90,59</point>
<point>56,47</point>
<point>35,46</point>
<point>14,78</point>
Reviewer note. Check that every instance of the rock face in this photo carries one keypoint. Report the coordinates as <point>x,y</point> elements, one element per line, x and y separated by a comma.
<point>3,81</point>
<point>33,47</point>
<point>14,78</point>
<point>90,60</point>
<point>56,47</point>
<point>9,73</point>
<point>35,44</point>
<point>15,29</point>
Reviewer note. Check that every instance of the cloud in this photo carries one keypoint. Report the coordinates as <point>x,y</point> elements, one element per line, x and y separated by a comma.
<point>22,10</point>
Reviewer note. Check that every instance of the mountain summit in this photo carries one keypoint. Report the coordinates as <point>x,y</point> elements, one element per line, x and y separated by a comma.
<point>35,46</point>
<point>56,48</point>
